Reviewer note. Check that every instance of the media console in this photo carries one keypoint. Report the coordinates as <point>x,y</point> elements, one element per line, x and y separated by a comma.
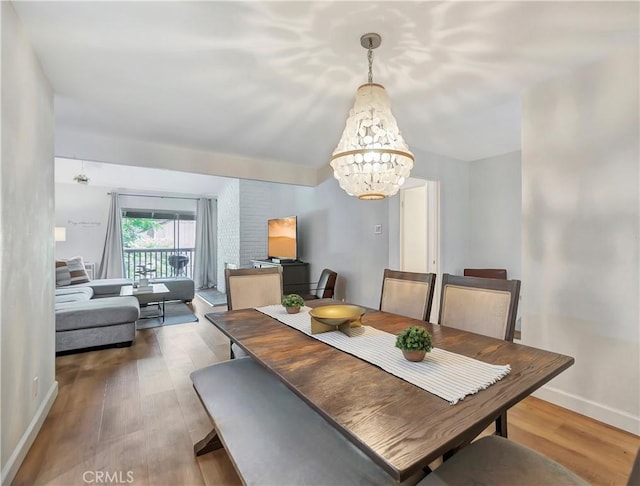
<point>295,275</point>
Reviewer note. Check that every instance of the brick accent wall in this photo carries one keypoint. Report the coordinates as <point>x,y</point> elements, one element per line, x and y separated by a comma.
<point>256,207</point>
<point>228,228</point>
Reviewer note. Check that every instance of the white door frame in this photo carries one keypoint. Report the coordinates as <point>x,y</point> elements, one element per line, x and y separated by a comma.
<point>433,234</point>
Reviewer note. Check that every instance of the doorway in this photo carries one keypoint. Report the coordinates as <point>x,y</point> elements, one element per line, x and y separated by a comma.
<point>419,232</point>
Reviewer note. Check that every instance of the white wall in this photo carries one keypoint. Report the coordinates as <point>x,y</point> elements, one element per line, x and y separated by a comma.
<point>84,211</point>
<point>121,150</point>
<point>172,202</point>
<point>259,202</point>
<point>244,207</point>
<point>26,235</point>
<point>580,233</point>
<point>137,178</point>
<point>495,213</point>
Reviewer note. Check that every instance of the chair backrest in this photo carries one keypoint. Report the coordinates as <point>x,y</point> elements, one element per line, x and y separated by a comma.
<point>253,287</point>
<point>326,284</point>
<point>485,306</point>
<point>407,293</point>
<point>500,273</point>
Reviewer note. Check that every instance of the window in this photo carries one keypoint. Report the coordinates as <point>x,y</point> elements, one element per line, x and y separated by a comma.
<point>162,243</point>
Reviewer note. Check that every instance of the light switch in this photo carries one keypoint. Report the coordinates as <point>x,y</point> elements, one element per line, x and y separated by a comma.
<point>377,229</point>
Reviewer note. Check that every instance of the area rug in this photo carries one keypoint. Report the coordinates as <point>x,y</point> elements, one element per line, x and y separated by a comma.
<point>213,296</point>
<point>174,313</point>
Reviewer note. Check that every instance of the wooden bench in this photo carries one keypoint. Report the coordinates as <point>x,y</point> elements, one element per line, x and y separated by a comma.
<point>271,435</point>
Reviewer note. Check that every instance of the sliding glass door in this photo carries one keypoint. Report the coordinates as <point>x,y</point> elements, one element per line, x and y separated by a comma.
<point>158,243</point>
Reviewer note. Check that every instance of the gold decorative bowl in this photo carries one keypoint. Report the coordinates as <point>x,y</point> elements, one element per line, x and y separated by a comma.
<point>334,315</point>
<point>340,317</point>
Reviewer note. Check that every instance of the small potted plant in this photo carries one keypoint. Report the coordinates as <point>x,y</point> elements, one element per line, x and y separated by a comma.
<point>292,303</point>
<point>144,271</point>
<point>415,342</point>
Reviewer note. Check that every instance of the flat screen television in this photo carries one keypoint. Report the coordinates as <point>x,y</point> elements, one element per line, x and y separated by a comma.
<point>282,238</point>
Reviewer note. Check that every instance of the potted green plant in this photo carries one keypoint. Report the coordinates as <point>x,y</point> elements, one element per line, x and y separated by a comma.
<point>415,342</point>
<point>292,303</point>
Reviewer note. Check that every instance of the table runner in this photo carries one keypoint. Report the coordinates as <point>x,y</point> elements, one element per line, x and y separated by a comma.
<point>447,375</point>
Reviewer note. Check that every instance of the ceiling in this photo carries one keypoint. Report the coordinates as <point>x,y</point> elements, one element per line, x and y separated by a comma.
<point>275,80</point>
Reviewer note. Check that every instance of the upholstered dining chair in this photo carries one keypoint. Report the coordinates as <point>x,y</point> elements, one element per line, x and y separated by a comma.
<point>500,273</point>
<point>485,306</point>
<point>408,294</point>
<point>252,287</point>
<point>500,462</point>
<point>325,287</point>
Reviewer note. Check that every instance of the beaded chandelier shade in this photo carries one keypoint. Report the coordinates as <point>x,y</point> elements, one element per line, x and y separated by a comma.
<point>372,159</point>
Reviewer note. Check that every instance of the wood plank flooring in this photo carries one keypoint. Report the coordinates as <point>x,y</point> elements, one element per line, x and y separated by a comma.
<point>132,413</point>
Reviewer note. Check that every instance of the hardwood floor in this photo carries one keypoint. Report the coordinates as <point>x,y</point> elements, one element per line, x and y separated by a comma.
<point>132,414</point>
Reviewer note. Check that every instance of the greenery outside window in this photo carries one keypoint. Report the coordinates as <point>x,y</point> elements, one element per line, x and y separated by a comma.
<point>160,243</point>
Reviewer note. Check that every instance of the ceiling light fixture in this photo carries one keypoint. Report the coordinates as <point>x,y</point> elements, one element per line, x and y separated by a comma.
<point>372,159</point>
<point>82,178</point>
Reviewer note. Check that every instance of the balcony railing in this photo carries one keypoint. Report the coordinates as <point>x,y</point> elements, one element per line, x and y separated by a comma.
<point>159,259</point>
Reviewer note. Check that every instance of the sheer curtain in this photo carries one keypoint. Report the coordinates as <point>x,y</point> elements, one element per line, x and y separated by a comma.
<point>112,263</point>
<point>204,265</point>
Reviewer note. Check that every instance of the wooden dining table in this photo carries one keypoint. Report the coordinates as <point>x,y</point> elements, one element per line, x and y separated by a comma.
<point>401,427</point>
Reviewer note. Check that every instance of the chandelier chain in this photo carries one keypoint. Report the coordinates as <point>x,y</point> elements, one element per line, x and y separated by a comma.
<point>370,58</point>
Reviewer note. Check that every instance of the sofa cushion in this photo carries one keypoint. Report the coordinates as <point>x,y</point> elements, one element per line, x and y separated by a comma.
<point>180,288</point>
<point>63,275</point>
<point>107,287</point>
<point>75,289</point>
<point>78,272</point>
<point>73,294</point>
<point>96,313</point>
<point>71,272</point>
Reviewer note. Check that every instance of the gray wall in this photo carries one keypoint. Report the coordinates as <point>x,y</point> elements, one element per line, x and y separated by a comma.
<point>580,234</point>
<point>495,213</point>
<point>334,230</point>
<point>337,232</point>
<point>26,224</point>
<point>454,205</point>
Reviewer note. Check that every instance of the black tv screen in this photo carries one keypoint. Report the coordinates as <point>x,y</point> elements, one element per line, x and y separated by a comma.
<point>283,238</point>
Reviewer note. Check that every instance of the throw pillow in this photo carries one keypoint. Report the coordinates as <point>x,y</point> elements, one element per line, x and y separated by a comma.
<point>78,272</point>
<point>63,275</point>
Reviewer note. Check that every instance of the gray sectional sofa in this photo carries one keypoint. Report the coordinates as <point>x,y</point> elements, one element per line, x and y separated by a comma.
<point>84,320</point>
<point>94,314</point>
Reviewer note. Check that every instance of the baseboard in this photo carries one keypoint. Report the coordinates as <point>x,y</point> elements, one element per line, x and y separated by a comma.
<point>611,416</point>
<point>20,452</point>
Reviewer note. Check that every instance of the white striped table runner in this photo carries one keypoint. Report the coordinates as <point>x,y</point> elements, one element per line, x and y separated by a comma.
<point>448,375</point>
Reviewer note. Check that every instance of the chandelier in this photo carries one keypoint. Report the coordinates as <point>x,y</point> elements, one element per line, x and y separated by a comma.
<point>372,159</point>
<point>82,178</point>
